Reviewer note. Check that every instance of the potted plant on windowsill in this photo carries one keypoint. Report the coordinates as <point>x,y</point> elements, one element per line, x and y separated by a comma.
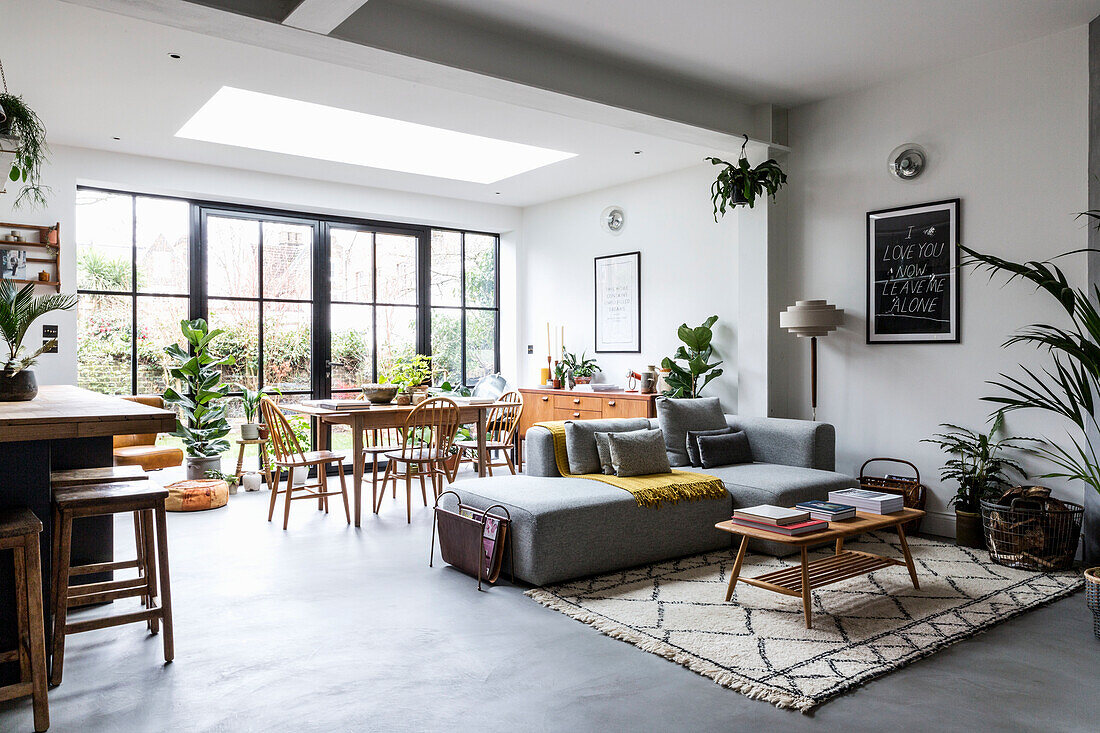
<point>22,149</point>
<point>250,401</point>
<point>981,471</point>
<point>740,184</point>
<point>581,368</point>
<point>200,396</point>
<point>18,310</point>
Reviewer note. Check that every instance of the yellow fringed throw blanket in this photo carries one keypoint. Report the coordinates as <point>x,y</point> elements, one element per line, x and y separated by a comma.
<point>648,491</point>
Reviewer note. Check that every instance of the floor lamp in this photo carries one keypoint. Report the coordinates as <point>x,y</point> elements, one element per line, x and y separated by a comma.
<point>810,319</point>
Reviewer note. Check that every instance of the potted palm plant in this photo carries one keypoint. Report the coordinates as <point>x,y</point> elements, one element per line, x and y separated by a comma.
<point>981,470</point>
<point>18,310</point>
<point>200,396</point>
<point>741,184</point>
<point>250,401</point>
<point>23,148</point>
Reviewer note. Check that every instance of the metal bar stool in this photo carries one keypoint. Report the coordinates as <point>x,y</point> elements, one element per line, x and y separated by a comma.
<point>19,530</point>
<point>146,500</point>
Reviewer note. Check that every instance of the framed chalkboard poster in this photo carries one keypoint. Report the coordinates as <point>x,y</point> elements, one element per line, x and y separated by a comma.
<point>913,274</point>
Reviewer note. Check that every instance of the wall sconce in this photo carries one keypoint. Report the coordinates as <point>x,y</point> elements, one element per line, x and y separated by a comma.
<point>907,161</point>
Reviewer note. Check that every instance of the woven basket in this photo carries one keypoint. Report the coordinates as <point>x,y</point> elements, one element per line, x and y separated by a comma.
<point>912,490</point>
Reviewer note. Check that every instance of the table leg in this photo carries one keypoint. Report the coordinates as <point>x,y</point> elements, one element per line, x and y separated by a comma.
<point>240,461</point>
<point>357,468</point>
<point>839,545</point>
<point>737,567</point>
<point>908,557</point>
<point>322,445</point>
<point>806,591</point>
<point>481,452</point>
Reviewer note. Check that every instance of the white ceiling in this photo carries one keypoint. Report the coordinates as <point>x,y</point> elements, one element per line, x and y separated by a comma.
<point>785,52</point>
<point>116,79</point>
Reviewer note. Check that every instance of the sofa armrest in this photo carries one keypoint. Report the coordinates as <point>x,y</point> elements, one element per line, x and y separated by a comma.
<point>538,453</point>
<point>789,442</point>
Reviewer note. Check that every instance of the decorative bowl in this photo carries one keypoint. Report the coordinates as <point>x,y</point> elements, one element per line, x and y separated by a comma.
<point>380,394</point>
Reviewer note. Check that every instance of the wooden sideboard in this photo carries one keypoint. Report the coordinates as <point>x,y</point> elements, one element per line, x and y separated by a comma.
<point>541,405</point>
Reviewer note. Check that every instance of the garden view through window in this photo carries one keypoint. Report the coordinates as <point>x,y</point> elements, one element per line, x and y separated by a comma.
<point>145,263</point>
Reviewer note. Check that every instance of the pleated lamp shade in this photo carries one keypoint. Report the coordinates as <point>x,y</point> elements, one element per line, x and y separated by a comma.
<point>811,318</point>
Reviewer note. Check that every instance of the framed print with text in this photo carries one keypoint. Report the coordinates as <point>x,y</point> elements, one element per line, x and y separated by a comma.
<point>619,303</point>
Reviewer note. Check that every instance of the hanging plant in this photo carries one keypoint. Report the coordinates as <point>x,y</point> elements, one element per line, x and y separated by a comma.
<point>741,184</point>
<point>22,132</point>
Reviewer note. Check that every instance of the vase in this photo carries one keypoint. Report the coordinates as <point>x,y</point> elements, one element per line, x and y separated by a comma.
<point>251,481</point>
<point>197,466</point>
<point>968,530</point>
<point>18,387</point>
<point>1092,597</point>
<point>250,431</point>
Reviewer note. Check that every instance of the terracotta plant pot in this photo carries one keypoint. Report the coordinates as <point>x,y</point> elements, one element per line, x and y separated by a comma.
<point>403,398</point>
<point>1092,597</point>
<point>968,530</point>
<point>263,432</point>
<point>18,388</point>
<point>582,380</point>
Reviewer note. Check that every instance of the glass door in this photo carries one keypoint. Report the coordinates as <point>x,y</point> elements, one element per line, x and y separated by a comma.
<point>259,288</point>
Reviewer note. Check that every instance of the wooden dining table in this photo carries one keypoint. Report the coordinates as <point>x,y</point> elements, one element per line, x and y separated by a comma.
<point>378,417</point>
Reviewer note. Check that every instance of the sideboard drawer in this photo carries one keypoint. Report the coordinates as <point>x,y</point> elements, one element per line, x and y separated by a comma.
<point>619,407</point>
<point>570,402</point>
<point>564,413</point>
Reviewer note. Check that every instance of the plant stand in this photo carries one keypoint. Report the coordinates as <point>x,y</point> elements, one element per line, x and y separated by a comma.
<point>265,464</point>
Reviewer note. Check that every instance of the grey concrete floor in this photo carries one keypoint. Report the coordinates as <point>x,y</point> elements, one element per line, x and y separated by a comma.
<point>329,628</point>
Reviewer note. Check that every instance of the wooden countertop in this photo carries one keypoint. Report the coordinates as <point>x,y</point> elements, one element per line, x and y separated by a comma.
<point>65,411</point>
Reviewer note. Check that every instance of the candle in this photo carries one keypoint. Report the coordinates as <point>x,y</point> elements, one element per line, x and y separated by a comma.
<point>548,351</point>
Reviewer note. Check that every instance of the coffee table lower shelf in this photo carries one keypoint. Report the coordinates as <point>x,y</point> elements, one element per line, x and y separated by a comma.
<point>823,571</point>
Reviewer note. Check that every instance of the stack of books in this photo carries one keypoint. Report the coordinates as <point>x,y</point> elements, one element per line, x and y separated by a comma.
<point>875,502</point>
<point>827,511</point>
<point>790,522</point>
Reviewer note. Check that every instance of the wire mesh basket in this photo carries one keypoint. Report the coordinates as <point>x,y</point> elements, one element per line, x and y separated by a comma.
<point>1032,535</point>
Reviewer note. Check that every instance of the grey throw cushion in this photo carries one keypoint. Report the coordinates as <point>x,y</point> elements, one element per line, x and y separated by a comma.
<point>677,416</point>
<point>603,449</point>
<point>638,453</point>
<point>693,442</point>
<point>724,450</point>
<point>580,440</point>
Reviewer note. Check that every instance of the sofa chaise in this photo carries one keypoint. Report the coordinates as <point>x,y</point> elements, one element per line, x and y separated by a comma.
<point>567,527</point>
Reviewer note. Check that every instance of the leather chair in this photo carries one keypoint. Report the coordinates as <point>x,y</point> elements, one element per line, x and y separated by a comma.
<point>141,449</point>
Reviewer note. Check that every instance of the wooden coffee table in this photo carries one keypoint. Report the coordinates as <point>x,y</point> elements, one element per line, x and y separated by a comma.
<point>801,579</point>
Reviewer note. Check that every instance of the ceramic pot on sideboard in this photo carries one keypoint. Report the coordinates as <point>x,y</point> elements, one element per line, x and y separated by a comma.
<point>968,530</point>
<point>20,387</point>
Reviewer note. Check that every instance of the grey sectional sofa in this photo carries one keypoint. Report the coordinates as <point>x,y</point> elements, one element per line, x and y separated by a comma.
<point>571,527</point>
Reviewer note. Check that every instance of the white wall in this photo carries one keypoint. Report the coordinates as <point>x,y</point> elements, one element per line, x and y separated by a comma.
<point>1006,133</point>
<point>689,272</point>
<point>72,166</point>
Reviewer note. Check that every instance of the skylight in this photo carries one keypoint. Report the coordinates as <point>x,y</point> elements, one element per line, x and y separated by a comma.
<point>281,125</point>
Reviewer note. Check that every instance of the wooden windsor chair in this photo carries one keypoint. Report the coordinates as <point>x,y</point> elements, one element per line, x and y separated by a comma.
<point>500,434</point>
<point>289,455</point>
<point>429,434</point>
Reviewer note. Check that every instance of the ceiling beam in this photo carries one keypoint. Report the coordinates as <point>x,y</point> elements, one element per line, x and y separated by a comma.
<point>322,16</point>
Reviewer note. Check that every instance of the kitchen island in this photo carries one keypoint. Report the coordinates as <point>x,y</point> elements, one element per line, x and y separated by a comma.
<point>64,427</point>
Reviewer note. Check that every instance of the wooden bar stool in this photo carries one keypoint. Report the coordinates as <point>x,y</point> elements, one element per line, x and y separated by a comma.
<point>19,530</point>
<point>146,500</point>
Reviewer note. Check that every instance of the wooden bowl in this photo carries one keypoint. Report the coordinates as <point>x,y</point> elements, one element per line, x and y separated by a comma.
<point>379,394</point>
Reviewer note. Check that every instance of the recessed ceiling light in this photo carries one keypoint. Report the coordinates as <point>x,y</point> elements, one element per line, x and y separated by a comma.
<point>280,125</point>
<point>174,56</point>
<point>637,152</point>
<point>116,138</point>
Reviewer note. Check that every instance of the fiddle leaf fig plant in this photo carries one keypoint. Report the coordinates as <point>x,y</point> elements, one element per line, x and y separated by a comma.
<point>740,183</point>
<point>199,392</point>
<point>698,370</point>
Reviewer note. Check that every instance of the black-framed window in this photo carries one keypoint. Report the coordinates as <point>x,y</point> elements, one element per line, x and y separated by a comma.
<point>312,305</point>
<point>464,288</point>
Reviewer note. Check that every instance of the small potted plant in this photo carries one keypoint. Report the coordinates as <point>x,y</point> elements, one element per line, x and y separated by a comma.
<point>410,373</point>
<point>200,396</point>
<point>981,471</point>
<point>230,480</point>
<point>18,310</point>
<point>250,401</point>
<point>581,368</point>
<point>23,146</point>
<point>741,184</point>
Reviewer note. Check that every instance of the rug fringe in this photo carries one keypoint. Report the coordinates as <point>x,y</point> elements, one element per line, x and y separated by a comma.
<point>721,677</point>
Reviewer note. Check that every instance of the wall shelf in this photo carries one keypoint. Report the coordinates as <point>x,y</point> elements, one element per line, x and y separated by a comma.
<point>42,234</point>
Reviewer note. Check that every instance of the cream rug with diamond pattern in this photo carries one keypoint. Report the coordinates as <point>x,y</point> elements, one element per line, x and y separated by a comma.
<point>757,644</point>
